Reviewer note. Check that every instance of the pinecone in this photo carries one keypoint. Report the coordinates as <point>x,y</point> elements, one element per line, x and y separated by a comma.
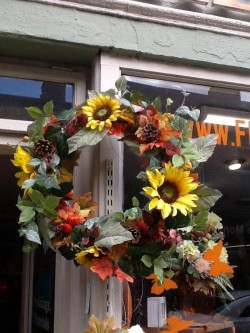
<point>136,233</point>
<point>43,148</point>
<point>150,132</point>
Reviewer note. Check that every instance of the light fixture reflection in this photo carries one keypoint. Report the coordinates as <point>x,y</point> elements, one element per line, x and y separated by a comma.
<point>234,165</point>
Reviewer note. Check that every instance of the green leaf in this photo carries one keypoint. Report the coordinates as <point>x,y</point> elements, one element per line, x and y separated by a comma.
<point>136,97</point>
<point>199,222</point>
<point>135,202</point>
<point>184,111</point>
<point>158,270</point>
<point>28,183</point>
<point>66,114</point>
<point>51,202</point>
<point>42,168</point>
<point>54,134</point>
<point>205,145</point>
<point>134,213</point>
<point>142,175</point>
<point>111,93</point>
<point>35,162</point>
<point>31,233</point>
<point>34,112</point>
<point>157,103</point>
<point>147,261</point>
<point>169,101</point>
<point>85,137</point>
<point>112,233</point>
<point>182,125</point>
<point>121,84</point>
<point>190,153</point>
<point>51,182</point>
<point>27,248</point>
<point>48,108</point>
<point>169,274</point>
<point>154,162</point>
<point>207,197</point>
<point>178,160</point>
<point>36,197</point>
<point>160,262</point>
<point>35,129</point>
<point>27,214</point>
<point>45,230</point>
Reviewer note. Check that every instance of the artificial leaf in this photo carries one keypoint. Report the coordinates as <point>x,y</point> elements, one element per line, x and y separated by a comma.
<point>86,202</point>
<point>36,197</point>
<point>158,289</point>
<point>218,267</point>
<point>28,183</point>
<point>34,112</point>
<point>205,146</point>
<point>46,232</point>
<point>207,197</point>
<point>66,114</point>
<point>199,221</point>
<point>157,103</point>
<point>178,161</point>
<point>112,233</point>
<point>184,111</point>
<point>48,108</point>
<point>190,153</point>
<point>31,233</point>
<point>65,176</point>
<point>176,325</point>
<point>182,125</point>
<point>51,202</point>
<point>27,214</point>
<point>121,276</point>
<point>147,261</point>
<point>135,202</point>
<point>85,137</point>
<point>169,101</point>
<point>121,84</point>
<point>102,267</point>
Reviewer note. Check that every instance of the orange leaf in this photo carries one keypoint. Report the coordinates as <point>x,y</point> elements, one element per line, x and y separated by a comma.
<point>159,289</point>
<point>102,267</point>
<point>122,276</point>
<point>177,325</point>
<point>218,267</point>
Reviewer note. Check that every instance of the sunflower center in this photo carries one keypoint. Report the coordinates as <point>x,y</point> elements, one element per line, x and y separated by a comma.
<point>168,192</point>
<point>150,132</point>
<point>101,114</point>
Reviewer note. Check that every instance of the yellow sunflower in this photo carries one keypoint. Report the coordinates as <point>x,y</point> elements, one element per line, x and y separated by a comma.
<point>21,159</point>
<point>101,111</point>
<point>85,257</point>
<point>170,191</point>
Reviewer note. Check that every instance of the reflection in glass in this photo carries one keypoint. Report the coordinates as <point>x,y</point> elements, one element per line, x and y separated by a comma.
<point>233,207</point>
<point>16,94</point>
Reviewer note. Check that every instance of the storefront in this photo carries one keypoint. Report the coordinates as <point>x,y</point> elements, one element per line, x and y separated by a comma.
<point>57,50</point>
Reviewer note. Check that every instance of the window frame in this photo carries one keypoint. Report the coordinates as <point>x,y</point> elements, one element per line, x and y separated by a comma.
<point>107,69</point>
<point>11,133</point>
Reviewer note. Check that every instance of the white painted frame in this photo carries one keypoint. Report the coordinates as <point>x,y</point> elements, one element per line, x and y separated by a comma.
<point>107,69</point>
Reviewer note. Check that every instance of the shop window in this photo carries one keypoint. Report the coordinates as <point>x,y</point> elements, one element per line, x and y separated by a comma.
<point>225,112</point>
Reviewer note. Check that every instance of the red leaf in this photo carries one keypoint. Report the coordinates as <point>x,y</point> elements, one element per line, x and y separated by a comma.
<point>102,267</point>
<point>122,276</point>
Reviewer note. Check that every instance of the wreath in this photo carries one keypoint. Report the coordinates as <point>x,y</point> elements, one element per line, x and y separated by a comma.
<point>175,233</point>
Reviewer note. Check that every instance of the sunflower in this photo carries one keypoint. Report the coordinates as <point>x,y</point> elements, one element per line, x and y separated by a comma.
<point>170,191</point>
<point>21,159</point>
<point>101,111</point>
<point>85,257</point>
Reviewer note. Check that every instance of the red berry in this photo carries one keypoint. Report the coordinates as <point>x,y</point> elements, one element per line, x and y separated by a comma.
<point>66,228</point>
<point>73,220</point>
<point>69,195</point>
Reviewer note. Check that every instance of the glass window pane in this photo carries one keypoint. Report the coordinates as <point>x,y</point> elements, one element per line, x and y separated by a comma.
<point>225,112</point>
<point>16,94</point>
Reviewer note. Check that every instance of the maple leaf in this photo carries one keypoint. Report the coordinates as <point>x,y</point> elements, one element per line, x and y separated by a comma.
<point>65,176</point>
<point>102,267</point>
<point>69,164</point>
<point>85,202</point>
<point>122,276</point>
<point>159,289</point>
